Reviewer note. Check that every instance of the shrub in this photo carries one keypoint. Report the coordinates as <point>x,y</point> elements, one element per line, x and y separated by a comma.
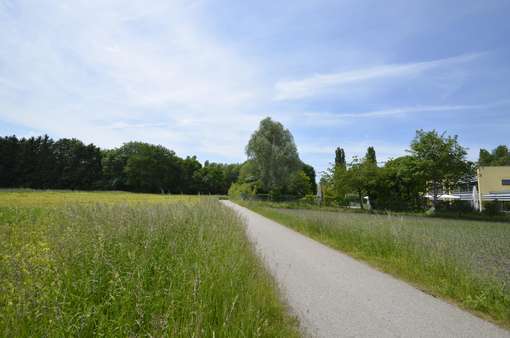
<point>242,190</point>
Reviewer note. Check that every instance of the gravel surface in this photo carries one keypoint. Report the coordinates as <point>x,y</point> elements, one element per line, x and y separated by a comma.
<point>335,295</point>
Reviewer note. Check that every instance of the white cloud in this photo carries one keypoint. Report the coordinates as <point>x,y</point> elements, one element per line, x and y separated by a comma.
<point>320,83</point>
<point>144,71</point>
<point>328,118</point>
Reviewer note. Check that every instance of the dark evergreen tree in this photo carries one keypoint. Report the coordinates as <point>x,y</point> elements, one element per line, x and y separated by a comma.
<point>340,158</point>
<point>370,157</point>
<point>9,168</point>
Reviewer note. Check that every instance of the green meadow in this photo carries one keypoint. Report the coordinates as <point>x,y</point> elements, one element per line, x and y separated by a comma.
<point>122,264</point>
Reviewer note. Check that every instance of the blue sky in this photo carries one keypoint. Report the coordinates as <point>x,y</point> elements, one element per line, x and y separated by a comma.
<point>198,76</point>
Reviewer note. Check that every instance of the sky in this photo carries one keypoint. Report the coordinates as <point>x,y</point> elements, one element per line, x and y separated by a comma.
<point>198,76</point>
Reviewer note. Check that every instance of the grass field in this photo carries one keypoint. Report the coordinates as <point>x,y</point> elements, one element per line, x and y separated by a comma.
<point>464,261</point>
<point>120,264</point>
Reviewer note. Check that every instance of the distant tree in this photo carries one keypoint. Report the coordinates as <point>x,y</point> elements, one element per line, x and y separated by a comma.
<point>211,179</point>
<point>77,166</point>
<point>231,175</point>
<point>114,162</point>
<point>485,158</point>
<point>500,156</point>
<point>274,154</point>
<point>39,162</point>
<point>441,161</point>
<point>309,171</point>
<point>370,156</point>
<point>152,168</point>
<point>340,158</point>
<point>27,160</point>
<point>248,173</point>
<point>353,180</point>
<point>398,187</point>
<point>9,167</point>
<point>46,174</point>
<point>299,184</point>
<point>189,166</point>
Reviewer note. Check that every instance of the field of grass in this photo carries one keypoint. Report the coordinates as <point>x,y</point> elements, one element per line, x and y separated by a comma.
<point>40,198</point>
<point>464,261</point>
<point>120,264</point>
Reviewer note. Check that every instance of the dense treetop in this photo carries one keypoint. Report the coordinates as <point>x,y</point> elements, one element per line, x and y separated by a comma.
<point>42,163</point>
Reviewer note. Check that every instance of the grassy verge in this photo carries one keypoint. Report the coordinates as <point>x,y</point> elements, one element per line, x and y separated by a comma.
<point>463,261</point>
<point>180,269</point>
<point>472,215</point>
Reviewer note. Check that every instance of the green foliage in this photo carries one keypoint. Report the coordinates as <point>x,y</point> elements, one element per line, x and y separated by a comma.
<point>500,156</point>
<point>437,163</point>
<point>242,190</point>
<point>162,269</point>
<point>216,177</point>
<point>370,156</point>
<point>340,158</point>
<point>310,172</point>
<point>398,187</point>
<point>41,163</point>
<point>151,168</point>
<point>441,160</point>
<point>491,208</point>
<point>274,155</point>
<point>299,184</point>
<point>309,199</point>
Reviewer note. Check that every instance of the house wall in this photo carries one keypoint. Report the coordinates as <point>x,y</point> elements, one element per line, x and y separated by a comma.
<point>490,179</point>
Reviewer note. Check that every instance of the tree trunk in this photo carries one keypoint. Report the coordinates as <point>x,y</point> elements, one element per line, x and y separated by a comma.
<point>434,197</point>
<point>360,199</point>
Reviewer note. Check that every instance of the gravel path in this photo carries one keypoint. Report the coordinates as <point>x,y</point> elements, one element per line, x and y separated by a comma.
<point>335,295</point>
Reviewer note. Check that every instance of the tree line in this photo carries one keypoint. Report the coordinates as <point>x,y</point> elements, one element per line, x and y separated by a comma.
<point>436,164</point>
<point>42,163</point>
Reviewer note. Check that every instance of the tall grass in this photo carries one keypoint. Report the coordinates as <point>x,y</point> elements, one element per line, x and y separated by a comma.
<point>464,261</point>
<point>182,269</point>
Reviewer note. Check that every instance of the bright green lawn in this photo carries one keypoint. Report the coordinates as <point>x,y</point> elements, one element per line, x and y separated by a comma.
<point>110,268</point>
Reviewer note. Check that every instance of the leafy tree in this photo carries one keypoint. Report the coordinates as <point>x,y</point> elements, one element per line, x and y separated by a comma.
<point>151,168</point>
<point>189,166</point>
<point>274,154</point>
<point>441,161</point>
<point>231,175</point>
<point>211,179</point>
<point>299,184</point>
<point>354,180</point>
<point>370,156</point>
<point>216,178</point>
<point>485,158</point>
<point>398,187</point>
<point>248,173</point>
<point>78,166</point>
<point>340,158</point>
<point>500,156</point>
<point>310,173</point>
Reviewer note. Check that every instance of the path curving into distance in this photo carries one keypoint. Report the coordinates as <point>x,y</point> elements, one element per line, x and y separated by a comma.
<point>335,295</point>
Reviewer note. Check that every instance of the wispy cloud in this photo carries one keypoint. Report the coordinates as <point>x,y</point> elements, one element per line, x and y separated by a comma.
<point>319,83</point>
<point>399,111</point>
